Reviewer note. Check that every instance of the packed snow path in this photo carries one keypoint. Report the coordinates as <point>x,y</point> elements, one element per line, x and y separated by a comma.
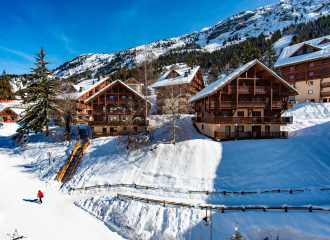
<point>56,218</point>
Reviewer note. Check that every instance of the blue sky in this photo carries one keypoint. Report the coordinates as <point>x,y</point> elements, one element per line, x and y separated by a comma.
<point>68,28</point>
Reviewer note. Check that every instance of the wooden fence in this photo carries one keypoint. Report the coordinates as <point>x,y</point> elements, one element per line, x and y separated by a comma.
<point>114,185</point>
<point>201,192</point>
<point>223,208</point>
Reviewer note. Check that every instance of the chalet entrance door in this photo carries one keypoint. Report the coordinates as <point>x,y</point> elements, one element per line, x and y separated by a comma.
<point>256,131</point>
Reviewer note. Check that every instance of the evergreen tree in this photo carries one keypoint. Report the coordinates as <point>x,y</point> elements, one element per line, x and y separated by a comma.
<point>234,61</point>
<point>256,54</point>
<point>213,74</point>
<point>270,55</point>
<point>42,90</point>
<point>6,89</point>
<point>246,54</point>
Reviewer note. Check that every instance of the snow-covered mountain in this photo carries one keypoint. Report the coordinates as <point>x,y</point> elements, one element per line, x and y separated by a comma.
<point>240,26</point>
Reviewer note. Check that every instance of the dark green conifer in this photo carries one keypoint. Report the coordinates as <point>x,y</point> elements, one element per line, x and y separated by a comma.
<point>270,55</point>
<point>6,89</point>
<point>42,91</point>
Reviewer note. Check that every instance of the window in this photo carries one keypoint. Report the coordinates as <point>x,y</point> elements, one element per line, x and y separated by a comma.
<point>113,118</point>
<point>124,129</point>
<point>240,114</point>
<point>310,83</point>
<point>306,101</point>
<point>301,52</point>
<point>125,118</point>
<point>112,97</point>
<point>135,129</point>
<point>325,100</point>
<point>104,119</point>
<point>256,114</point>
<point>311,74</point>
<point>312,100</point>
<point>311,64</point>
<point>309,50</point>
<point>103,108</point>
<point>104,129</point>
<point>267,128</point>
<point>310,92</point>
<point>227,128</point>
<point>202,126</point>
<point>239,128</point>
<point>291,77</point>
<point>291,69</point>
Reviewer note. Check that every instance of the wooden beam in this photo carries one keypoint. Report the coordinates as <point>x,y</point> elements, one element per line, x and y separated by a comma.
<point>105,104</point>
<point>98,99</point>
<point>237,93</point>
<point>271,94</point>
<point>254,80</point>
<point>220,100</point>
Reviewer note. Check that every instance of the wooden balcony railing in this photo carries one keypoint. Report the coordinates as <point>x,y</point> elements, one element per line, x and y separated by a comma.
<point>218,120</point>
<point>105,134</point>
<point>325,84</point>
<point>250,89</point>
<point>247,104</point>
<point>325,94</point>
<point>114,123</point>
<point>249,135</point>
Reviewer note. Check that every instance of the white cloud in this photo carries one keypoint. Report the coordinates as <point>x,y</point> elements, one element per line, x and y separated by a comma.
<point>18,53</point>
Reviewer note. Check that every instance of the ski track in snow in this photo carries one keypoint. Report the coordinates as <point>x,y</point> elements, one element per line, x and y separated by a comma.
<point>302,161</point>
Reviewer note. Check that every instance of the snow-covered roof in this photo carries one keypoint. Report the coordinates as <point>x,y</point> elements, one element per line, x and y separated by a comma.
<point>18,111</point>
<point>163,81</point>
<point>210,89</point>
<point>108,86</point>
<point>87,85</point>
<point>286,59</point>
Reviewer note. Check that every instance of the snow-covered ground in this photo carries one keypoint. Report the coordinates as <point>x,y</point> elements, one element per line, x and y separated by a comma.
<point>199,163</point>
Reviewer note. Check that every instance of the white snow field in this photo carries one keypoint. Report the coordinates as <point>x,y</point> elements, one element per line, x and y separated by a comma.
<point>200,163</point>
<point>56,218</point>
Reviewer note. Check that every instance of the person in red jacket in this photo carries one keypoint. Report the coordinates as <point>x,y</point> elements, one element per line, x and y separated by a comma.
<point>40,195</point>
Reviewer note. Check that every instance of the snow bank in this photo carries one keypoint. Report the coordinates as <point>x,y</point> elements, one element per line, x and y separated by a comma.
<point>152,221</point>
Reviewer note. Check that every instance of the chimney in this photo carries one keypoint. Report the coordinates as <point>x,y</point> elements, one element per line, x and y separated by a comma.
<point>192,66</point>
<point>98,77</point>
<point>185,74</point>
<point>81,89</point>
<point>189,71</point>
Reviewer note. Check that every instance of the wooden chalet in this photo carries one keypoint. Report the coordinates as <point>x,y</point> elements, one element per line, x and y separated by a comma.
<point>109,110</point>
<point>9,114</point>
<point>306,66</point>
<point>134,84</point>
<point>84,90</point>
<point>246,104</point>
<point>184,82</point>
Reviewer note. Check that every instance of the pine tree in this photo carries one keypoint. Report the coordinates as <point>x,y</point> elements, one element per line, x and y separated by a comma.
<point>247,52</point>
<point>234,61</point>
<point>270,55</point>
<point>6,89</point>
<point>42,90</point>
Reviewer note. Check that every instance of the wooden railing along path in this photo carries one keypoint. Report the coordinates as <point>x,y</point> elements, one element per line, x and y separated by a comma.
<point>223,208</point>
<point>200,192</point>
<point>66,165</point>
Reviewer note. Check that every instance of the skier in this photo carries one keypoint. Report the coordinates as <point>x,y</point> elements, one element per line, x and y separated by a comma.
<point>40,195</point>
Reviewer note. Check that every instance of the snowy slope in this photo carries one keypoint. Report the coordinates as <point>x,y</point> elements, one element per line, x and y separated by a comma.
<point>300,162</point>
<point>249,23</point>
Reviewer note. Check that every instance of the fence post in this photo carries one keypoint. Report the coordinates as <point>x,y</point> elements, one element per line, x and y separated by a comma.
<point>164,203</point>
<point>310,208</point>
<point>147,200</point>
<point>135,185</point>
<point>117,195</point>
<point>109,185</point>
<point>189,191</point>
<point>207,192</point>
<point>290,191</point>
<point>264,209</point>
<point>286,208</point>
<point>224,192</point>
<point>222,210</point>
<point>85,188</point>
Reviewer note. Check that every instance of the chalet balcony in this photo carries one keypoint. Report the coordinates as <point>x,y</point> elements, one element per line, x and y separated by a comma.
<point>108,100</point>
<point>114,123</point>
<point>325,84</point>
<point>248,120</point>
<point>247,104</point>
<point>325,94</point>
<point>106,134</point>
<point>249,135</point>
<point>250,89</point>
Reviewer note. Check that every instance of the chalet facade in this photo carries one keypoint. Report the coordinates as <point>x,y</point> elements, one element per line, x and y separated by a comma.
<point>306,66</point>
<point>246,104</point>
<point>11,114</point>
<point>134,84</point>
<point>178,83</point>
<point>113,108</point>
<point>83,91</point>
